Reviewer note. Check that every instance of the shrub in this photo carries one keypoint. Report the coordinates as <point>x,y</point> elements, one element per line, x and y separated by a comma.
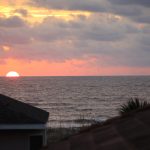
<point>133,104</point>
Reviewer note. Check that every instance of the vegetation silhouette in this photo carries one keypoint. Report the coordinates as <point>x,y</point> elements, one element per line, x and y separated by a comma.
<point>132,105</point>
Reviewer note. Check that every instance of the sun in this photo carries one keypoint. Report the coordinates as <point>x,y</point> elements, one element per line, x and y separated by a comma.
<point>12,74</point>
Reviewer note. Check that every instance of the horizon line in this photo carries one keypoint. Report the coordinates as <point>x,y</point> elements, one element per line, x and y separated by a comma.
<point>79,75</point>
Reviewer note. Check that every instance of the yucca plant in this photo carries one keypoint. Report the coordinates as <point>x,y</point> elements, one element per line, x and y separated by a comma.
<point>133,104</point>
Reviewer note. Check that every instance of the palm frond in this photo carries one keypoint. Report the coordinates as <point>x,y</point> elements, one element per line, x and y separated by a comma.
<point>133,104</point>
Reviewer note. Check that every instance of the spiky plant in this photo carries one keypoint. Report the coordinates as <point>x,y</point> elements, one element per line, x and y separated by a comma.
<point>133,104</point>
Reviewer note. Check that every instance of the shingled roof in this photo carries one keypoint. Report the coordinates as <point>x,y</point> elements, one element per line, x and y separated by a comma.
<point>130,132</point>
<point>16,112</point>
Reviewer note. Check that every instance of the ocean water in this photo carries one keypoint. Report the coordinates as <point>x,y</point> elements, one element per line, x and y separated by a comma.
<point>72,99</point>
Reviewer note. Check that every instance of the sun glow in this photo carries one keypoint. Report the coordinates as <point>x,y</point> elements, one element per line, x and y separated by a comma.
<point>12,74</point>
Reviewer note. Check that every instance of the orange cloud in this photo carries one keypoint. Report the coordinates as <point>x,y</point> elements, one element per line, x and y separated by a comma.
<point>6,48</point>
<point>9,8</point>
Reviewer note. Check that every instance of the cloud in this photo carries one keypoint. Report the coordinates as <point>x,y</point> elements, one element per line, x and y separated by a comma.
<point>11,22</point>
<point>109,40</point>
<point>23,12</point>
<point>136,10</point>
<point>96,28</point>
<point>142,19</point>
<point>12,36</point>
<point>88,5</point>
<point>145,3</point>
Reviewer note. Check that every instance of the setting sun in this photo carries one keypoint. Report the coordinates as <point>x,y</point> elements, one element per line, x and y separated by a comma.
<point>12,74</point>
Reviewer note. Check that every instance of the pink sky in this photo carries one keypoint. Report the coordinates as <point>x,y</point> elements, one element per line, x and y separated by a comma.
<point>71,68</point>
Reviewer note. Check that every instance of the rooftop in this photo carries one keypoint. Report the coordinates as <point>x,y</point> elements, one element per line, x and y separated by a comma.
<point>16,112</point>
<point>129,132</point>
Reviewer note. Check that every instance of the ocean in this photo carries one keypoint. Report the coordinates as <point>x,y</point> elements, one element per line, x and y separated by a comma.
<point>70,100</point>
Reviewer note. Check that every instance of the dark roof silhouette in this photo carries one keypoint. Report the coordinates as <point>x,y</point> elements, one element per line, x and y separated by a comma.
<point>16,112</point>
<point>129,132</point>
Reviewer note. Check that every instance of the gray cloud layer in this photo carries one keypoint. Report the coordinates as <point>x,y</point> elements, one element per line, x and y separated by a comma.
<point>145,3</point>
<point>122,43</point>
<point>137,10</point>
<point>87,5</point>
<point>13,21</point>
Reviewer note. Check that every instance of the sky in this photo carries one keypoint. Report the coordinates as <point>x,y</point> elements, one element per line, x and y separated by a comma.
<point>75,37</point>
